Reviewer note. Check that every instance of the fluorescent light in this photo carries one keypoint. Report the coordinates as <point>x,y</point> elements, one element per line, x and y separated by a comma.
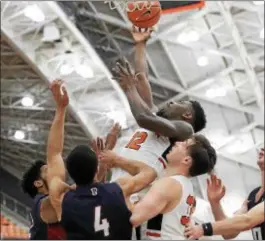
<point>258,2</point>
<point>194,36</point>
<point>66,69</point>
<point>119,117</point>
<point>202,61</point>
<point>27,101</point>
<point>216,92</point>
<point>261,35</point>
<point>19,135</point>
<point>190,36</point>
<point>34,13</point>
<point>51,33</point>
<point>84,70</point>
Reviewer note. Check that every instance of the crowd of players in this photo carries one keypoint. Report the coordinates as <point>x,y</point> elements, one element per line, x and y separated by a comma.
<point>150,187</point>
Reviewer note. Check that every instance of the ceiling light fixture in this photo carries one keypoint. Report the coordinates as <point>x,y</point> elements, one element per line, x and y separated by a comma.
<point>51,33</point>
<point>118,117</point>
<point>216,92</point>
<point>84,70</point>
<point>186,37</point>
<point>66,69</point>
<point>202,61</point>
<point>19,135</point>
<point>258,2</point>
<point>34,13</point>
<point>27,101</point>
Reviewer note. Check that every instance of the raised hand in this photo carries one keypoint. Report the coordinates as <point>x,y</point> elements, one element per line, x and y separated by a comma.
<point>59,93</point>
<point>124,75</point>
<point>215,189</point>
<point>108,158</point>
<point>193,232</point>
<point>141,35</point>
<point>113,136</point>
<point>98,145</point>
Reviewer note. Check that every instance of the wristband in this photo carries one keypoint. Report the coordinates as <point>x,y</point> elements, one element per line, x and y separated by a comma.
<point>207,229</point>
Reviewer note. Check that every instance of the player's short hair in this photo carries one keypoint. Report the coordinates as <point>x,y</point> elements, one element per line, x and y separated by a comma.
<point>199,121</point>
<point>203,156</point>
<point>30,176</point>
<point>82,164</point>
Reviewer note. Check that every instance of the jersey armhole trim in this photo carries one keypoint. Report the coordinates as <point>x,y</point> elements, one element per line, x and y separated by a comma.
<point>182,190</point>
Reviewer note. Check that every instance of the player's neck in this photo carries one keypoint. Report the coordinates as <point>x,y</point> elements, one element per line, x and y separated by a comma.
<point>262,181</point>
<point>43,191</point>
<point>172,171</point>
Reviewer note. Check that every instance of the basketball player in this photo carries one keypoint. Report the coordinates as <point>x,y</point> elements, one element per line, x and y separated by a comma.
<point>253,218</point>
<point>150,143</point>
<point>34,182</point>
<point>170,202</point>
<point>175,120</point>
<point>93,210</point>
<point>45,225</point>
<point>216,191</point>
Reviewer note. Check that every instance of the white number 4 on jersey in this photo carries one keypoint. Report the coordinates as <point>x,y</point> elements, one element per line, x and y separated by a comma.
<point>101,225</point>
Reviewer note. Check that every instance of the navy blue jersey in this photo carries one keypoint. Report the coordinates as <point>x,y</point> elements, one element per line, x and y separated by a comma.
<point>258,231</point>
<point>40,230</point>
<point>97,211</point>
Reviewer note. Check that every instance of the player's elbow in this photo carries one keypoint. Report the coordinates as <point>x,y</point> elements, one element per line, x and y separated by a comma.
<point>143,120</point>
<point>230,236</point>
<point>136,219</point>
<point>186,132</point>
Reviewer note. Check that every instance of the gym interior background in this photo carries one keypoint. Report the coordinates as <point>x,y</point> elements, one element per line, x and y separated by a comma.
<point>214,55</point>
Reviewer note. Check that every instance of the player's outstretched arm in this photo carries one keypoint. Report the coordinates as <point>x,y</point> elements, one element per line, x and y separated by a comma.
<point>141,67</point>
<point>56,135</point>
<point>236,224</point>
<point>112,136</point>
<point>143,176</point>
<point>215,192</point>
<point>179,130</point>
<point>133,167</point>
<point>161,195</point>
<point>56,168</point>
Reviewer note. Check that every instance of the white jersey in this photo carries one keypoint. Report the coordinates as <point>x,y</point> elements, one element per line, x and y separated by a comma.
<point>170,226</point>
<point>145,146</point>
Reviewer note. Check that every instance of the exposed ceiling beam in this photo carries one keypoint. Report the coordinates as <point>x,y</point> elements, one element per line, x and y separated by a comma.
<point>87,126</point>
<point>245,58</point>
<point>235,135</point>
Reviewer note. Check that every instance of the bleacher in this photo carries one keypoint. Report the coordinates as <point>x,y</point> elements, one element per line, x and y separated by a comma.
<point>15,218</point>
<point>10,230</point>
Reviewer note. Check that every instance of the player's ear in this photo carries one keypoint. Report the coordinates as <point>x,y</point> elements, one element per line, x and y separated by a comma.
<point>188,161</point>
<point>187,115</point>
<point>38,183</point>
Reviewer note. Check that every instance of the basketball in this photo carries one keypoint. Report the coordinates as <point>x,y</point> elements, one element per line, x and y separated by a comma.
<point>144,14</point>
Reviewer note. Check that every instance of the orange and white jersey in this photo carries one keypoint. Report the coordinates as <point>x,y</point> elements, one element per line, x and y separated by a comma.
<point>170,226</point>
<point>145,146</point>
